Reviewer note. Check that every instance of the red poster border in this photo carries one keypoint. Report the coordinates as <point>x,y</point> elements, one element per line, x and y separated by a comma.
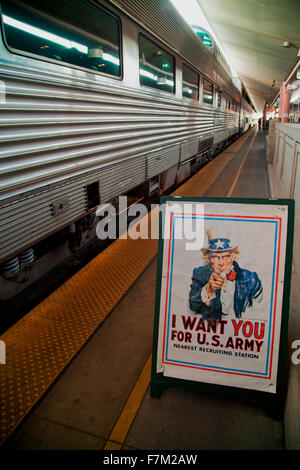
<point>275,296</point>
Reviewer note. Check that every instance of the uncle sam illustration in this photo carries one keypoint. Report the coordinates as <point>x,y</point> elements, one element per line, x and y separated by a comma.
<point>221,288</point>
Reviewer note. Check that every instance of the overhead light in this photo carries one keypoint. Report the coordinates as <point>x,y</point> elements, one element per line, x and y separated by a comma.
<point>147,74</point>
<point>95,52</point>
<point>162,81</point>
<point>288,44</point>
<point>111,58</point>
<point>186,89</point>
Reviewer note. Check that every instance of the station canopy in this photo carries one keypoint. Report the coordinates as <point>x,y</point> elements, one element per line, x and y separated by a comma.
<point>261,38</point>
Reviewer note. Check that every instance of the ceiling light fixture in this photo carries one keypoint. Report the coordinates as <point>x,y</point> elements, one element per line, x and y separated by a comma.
<point>288,44</point>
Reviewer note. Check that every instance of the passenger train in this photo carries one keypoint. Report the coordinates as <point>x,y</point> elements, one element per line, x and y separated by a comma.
<point>97,98</point>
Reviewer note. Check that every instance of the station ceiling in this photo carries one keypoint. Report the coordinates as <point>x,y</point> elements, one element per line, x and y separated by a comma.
<point>252,33</point>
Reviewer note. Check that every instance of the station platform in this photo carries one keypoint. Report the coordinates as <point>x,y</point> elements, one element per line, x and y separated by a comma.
<point>78,366</point>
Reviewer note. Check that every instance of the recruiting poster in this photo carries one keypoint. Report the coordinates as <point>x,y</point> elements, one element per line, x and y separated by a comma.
<point>220,307</point>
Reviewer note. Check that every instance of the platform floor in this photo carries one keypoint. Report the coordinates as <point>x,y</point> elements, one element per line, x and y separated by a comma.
<point>102,399</point>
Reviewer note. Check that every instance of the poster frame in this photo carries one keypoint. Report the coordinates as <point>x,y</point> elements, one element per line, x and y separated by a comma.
<point>274,401</point>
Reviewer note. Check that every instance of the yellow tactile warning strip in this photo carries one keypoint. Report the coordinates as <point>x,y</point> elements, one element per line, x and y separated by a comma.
<point>42,343</point>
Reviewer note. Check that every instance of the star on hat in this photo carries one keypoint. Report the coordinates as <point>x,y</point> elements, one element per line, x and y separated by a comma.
<point>220,244</point>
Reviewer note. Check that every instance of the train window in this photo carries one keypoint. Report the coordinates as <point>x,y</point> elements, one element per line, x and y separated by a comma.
<point>219,99</point>
<point>203,35</point>
<point>207,92</point>
<point>190,83</point>
<point>74,32</point>
<point>156,66</point>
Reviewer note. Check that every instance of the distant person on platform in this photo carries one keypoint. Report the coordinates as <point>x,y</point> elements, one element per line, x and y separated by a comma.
<point>221,288</point>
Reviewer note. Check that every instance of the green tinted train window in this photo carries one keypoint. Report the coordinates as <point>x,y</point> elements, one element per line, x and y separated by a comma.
<point>74,32</point>
<point>190,83</point>
<point>207,92</point>
<point>156,66</point>
<point>203,35</point>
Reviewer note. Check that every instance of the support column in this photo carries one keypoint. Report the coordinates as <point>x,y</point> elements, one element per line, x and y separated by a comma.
<point>284,103</point>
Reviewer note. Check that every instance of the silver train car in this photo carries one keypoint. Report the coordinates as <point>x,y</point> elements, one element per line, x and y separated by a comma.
<point>97,98</point>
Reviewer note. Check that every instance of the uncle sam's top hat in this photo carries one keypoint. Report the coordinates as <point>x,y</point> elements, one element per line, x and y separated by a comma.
<point>218,245</point>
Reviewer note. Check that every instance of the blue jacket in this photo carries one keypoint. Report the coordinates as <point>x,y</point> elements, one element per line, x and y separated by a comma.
<point>247,287</point>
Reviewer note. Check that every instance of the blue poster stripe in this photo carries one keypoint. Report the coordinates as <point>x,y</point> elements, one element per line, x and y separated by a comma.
<point>177,362</point>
